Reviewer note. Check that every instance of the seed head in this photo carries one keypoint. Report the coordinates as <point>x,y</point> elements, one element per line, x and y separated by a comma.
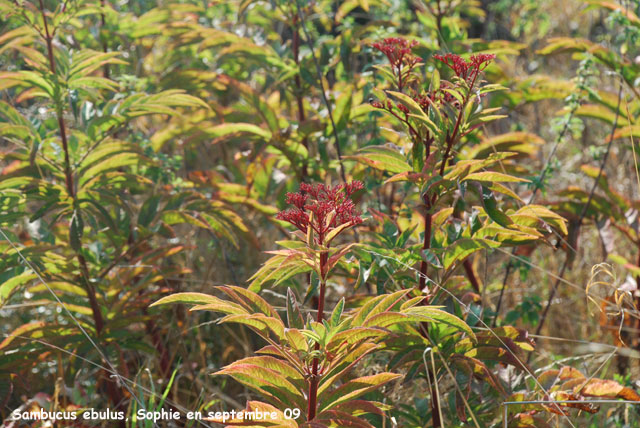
<point>464,69</point>
<point>331,207</point>
<point>398,51</point>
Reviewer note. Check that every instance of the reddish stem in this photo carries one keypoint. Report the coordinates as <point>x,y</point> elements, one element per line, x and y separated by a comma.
<point>315,379</point>
<point>115,394</point>
<point>425,246</point>
<point>471,275</point>
<point>638,277</point>
<point>452,138</point>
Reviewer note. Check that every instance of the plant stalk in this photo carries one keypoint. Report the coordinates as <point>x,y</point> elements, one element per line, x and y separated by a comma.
<point>315,379</point>
<point>95,309</point>
<point>114,392</point>
<point>425,246</point>
<point>105,68</point>
<point>298,90</point>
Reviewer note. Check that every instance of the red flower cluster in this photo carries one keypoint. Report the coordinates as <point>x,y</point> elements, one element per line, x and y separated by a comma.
<point>398,51</point>
<point>331,207</point>
<point>466,69</point>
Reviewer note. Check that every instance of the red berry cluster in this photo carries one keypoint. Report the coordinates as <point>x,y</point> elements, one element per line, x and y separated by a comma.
<point>464,69</point>
<point>398,51</point>
<point>331,207</point>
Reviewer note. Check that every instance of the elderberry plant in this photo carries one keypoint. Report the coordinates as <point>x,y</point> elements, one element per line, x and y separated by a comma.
<point>312,364</point>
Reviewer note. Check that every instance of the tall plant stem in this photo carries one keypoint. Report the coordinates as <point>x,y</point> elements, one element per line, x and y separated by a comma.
<point>114,392</point>
<point>105,68</point>
<point>426,244</point>
<point>430,200</point>
<point>315,379</point>
<point>298,89</point>
<point>95,309</point>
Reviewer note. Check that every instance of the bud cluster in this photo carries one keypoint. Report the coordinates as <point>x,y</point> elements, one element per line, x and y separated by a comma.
<point>323,208</point>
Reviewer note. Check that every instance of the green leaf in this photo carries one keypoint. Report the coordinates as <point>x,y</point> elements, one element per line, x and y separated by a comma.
<point>431,314</point>
<point>67,287</point>
<point>237,128</point>
<point>267,382</point>
<point>491,176</point>
<point>259,323</point>
<point>148,210</point>
<point>120,160</point>
<point>179,217</point>
<point>23,330</point>
<point>284,368</point>
<point>545,214</point>
<point>189,298</point>
<point>76,230</point>
<point>383,158</point>
<point>14,282</point>
<point>491,207</point>
<point>87,61</point>
<point>354,389</point>
<point>464,247</point>
<point>334,320</point>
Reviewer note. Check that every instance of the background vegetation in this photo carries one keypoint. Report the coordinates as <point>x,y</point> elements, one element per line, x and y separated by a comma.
<point>476,240</point>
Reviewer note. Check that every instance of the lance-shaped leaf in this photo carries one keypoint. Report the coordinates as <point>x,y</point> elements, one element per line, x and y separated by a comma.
<point>227,129</point>
<point>354,335</point>
<point>463,248</point>
<point>544,214</point>
<point>272,385</point>
<point>334,319</point>
<point>284,368</point>
<point>202,302</point>
<point>344,363</point>
<point>492,176</point>
<point>12,283</point>
<point>354,389</point>
<point>361,407</point>
<point>259,323</point>
<point>250,300</point>
<point>383,158</point>
<point>491,208</point>
<point>377,305</point>
<point>23,330</point>
<point>431,314</point>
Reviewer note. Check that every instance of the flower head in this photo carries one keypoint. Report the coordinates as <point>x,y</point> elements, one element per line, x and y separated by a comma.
<point>464,69</point>
<point>331,207</point>
<point>398,51</point>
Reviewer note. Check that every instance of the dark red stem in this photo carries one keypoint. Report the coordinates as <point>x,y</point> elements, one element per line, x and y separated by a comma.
<point>425,246</point>
<point>115,394</point>
<point>315,379</point>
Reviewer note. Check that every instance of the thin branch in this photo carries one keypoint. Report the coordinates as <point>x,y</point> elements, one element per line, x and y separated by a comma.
<point>310,43</point>
<point>585,208</point>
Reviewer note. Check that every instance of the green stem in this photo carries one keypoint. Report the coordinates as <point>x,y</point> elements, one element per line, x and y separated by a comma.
<point>298,89</point>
